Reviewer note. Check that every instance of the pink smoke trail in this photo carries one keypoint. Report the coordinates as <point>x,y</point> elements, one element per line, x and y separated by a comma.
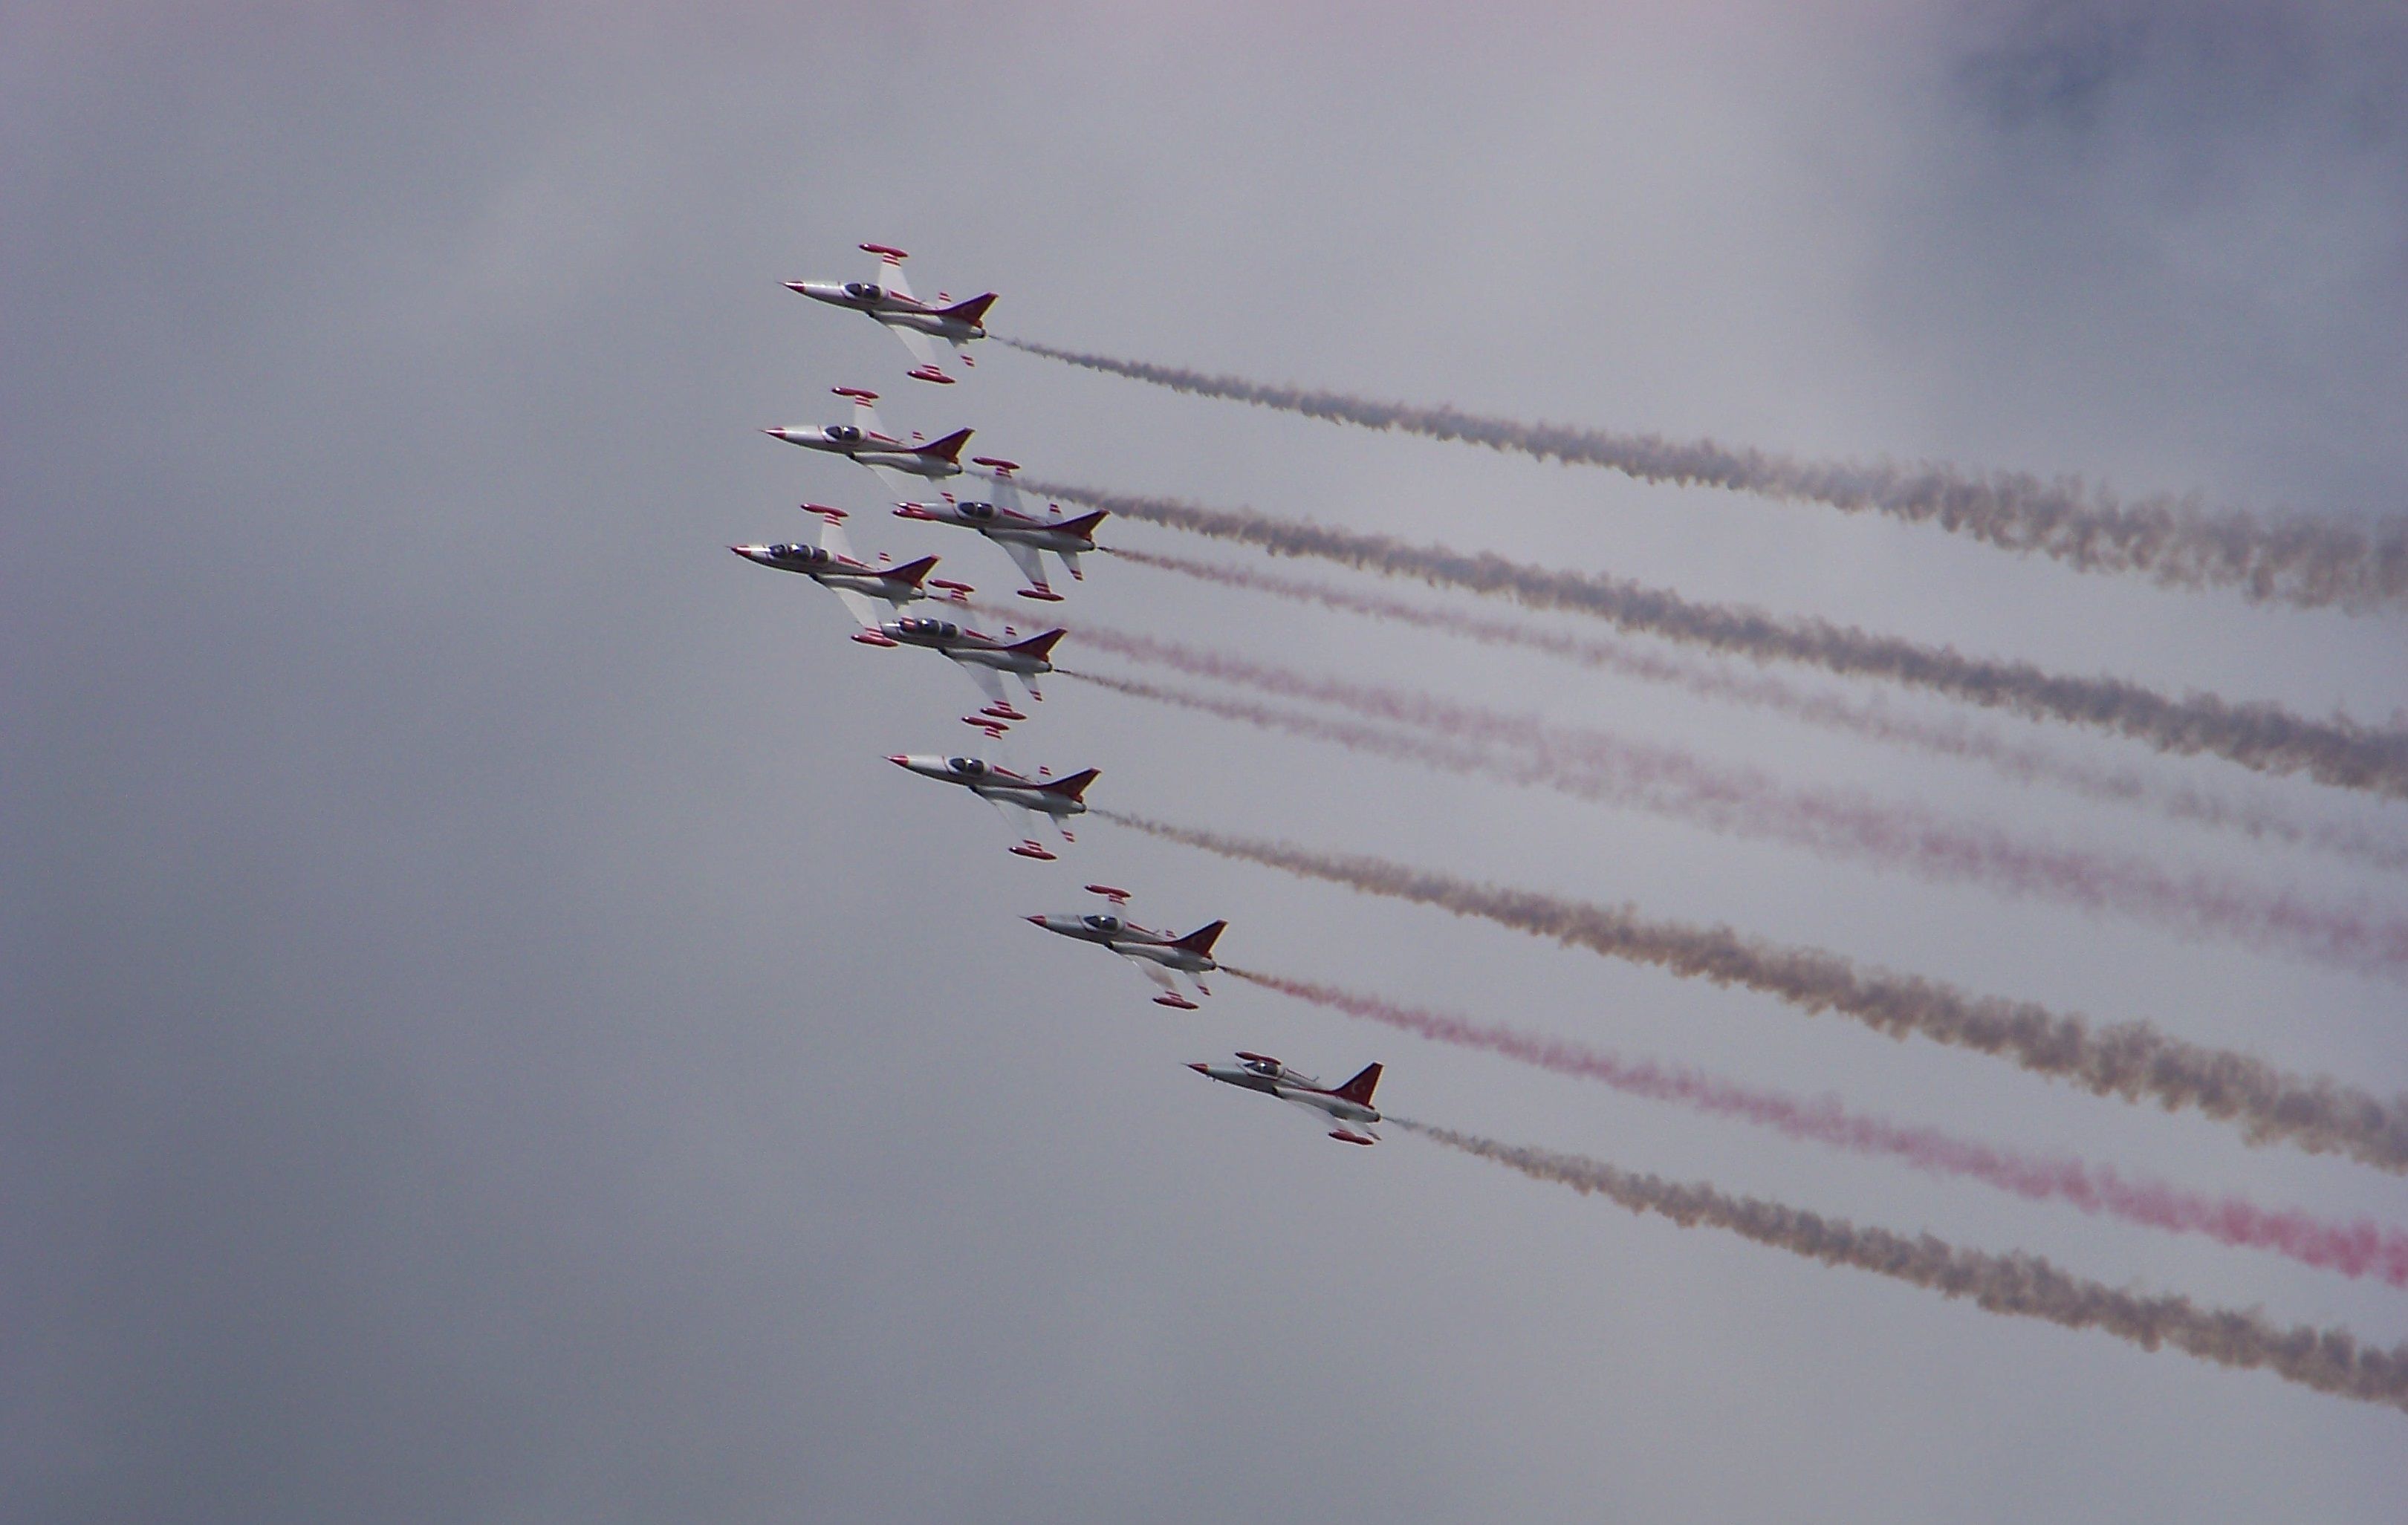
<point>2132,1059</point>
<point>1601,767</point>
<point>2354,1249</point>
<point>2173,541</point>
<point>2023,762</point>
<point>2329,1361</point>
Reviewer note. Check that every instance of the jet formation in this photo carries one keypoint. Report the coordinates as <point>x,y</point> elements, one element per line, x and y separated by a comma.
<point>925,478</point>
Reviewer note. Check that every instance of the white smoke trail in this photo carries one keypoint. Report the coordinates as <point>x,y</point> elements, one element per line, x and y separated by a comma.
<point>2262,736</point>
<point>2132,1060</point>
<point>2173,541</point>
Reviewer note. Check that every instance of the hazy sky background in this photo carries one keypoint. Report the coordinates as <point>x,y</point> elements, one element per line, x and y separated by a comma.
<point>487,1036</point>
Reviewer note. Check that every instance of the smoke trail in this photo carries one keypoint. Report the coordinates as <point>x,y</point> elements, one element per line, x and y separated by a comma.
<point>2265,737</point>
<point>2329,1361</point>
<point>1598,766</point>
<point>2354,1249</point>
<point>2171,540</point>
<point>2025,763</point>
<point>2132,1060</point>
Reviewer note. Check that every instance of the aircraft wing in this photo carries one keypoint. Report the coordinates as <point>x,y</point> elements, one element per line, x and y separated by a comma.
<point>1328,1124</point>
<point>890,275</point>
<point>989,681</point>
<point>915,341</point>
<point>834,541</point>
<point>901,484</point>
<point>863,607</point>
<point>1030,560</point>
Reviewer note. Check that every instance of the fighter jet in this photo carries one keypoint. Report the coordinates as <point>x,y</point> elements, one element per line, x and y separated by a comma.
<point>1156,954</point>
<point>984,658</point>
<point>1024,536</point>
<point>895,462</point>
<point>889,301</point>
<point>1054,798</point>
<point>1346,1110</point>
<point>859,586</point>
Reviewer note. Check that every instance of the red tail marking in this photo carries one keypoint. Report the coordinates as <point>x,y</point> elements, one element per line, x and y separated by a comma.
<point>1358,1090</point>
<point>972,312</point>
<point>948,447</point>
<point>1201,941</point>
<point>1039,647</point>
<point>910,572</point>
<point>1075,785</point>
<point>1084,524</point>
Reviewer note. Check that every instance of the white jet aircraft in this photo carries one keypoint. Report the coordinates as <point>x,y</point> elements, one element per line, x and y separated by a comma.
<point>1156,954</point>
<point>984,658</point>
<point>857,584</point>
<point>1346,1110</point>
<point>889,301</point>
<point>893,461</point>
<point>999,786</point>
<point>1024,536</point>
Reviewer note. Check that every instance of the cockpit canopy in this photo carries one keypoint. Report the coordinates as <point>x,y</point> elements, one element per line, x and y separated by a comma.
<point>1105,924</point>
<point>798,553</point>
<point>975,510</point>
<point>1267,1067</point>
<point>968,766</point>
<point>940,628</point>
<point>844,434</point>
<point>862,290</point>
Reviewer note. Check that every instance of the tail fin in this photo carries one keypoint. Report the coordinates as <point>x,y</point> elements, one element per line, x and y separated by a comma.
<point>1075,785</point>
<point>1202,939</point>
<point>948,447</point>
<point>910,573</point>
<point>972,312</point>
<point>1358,1090</point>
<point>1039,647</point>
<point>1083,524</point>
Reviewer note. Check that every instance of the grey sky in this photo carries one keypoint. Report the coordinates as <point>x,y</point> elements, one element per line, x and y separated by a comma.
<point>486,1037</point>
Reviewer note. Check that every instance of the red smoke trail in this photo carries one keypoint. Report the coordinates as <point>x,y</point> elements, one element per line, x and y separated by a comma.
<point>1598,766</point>
<point>2132,1059</point>
<point>2173,541</point>
<point>2328,1361</point>
<point>2265,737</point>
<point>2356,1250</point>
<point>2024,761</point>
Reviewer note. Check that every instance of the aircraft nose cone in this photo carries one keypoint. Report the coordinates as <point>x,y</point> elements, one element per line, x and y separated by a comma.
<point>900,761</point>
<point>798,288</point>
<point>1199,1069</point>
<point>1035,921</point>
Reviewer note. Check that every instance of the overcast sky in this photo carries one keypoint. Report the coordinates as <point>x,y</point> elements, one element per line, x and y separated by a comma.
<point>485,1036</point>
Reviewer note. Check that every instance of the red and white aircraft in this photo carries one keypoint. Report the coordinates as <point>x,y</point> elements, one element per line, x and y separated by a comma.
<point>865,439</point>
<point>1156,954</point>
<point>984,658</point>
<point>888,300</point>
<point>1346,1110</point>
<point>999,786</point>
<point>857,584</point>
<point>1024,536</point>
